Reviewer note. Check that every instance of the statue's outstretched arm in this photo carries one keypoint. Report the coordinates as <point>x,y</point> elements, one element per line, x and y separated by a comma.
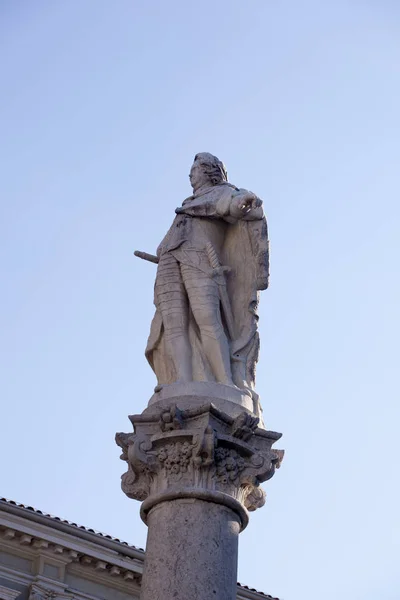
<point>247,206</point>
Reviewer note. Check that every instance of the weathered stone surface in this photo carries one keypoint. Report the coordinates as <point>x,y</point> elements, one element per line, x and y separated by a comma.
<point>191,552</point>
<point>194,394</point>
<point>198,453</point>
<point>211,265</point>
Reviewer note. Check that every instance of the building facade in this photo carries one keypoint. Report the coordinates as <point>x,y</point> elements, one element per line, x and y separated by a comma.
<point>46,558</point>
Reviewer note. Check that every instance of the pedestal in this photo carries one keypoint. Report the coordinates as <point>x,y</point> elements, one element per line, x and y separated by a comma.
<point>197,470</point>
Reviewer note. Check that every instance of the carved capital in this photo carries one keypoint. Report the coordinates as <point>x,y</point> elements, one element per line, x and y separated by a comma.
<point>180,453</point>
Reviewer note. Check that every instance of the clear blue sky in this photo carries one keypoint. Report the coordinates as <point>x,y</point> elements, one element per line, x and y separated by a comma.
<point>102,106</point>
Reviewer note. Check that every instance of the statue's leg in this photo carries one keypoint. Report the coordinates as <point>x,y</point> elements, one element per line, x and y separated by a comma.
<point>204,301</point>
<point>171,300</point>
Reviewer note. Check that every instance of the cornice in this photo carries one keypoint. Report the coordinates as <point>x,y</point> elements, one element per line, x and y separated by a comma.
<point>84,559</point>
<point>8,594</point>
<point>75,531</point>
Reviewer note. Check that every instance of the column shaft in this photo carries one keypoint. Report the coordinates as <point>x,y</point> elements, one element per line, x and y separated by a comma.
<point>191,551</point>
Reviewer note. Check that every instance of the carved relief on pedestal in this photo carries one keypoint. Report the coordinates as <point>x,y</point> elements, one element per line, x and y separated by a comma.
<point>202,449</point>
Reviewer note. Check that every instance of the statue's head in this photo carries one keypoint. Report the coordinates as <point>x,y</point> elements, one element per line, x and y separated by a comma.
<point>207,170</point>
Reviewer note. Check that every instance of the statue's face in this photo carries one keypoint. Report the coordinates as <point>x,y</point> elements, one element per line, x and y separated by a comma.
<point>197,176</point>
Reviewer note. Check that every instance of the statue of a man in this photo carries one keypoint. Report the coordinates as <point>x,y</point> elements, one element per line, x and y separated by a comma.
<point>212,262</point>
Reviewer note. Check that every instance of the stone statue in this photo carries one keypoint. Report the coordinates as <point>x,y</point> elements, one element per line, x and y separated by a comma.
<point>211,265</point>
<point>200,450</point>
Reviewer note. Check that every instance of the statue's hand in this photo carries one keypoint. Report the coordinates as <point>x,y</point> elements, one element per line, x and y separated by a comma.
<point>243,204</point>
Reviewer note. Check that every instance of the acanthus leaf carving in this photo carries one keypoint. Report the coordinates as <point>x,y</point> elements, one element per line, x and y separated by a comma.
<point>202,449</point>
<point>244,425</point>
<point>175,457</point>
<point>229,465</point>
<point>255,499</point>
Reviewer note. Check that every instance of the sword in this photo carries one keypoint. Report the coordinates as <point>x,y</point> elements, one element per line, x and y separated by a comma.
<point>223,294</point>
<point>146,256</point>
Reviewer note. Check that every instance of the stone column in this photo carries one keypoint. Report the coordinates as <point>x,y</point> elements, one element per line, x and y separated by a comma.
<point>197,470</point>
<point>181,560</point>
